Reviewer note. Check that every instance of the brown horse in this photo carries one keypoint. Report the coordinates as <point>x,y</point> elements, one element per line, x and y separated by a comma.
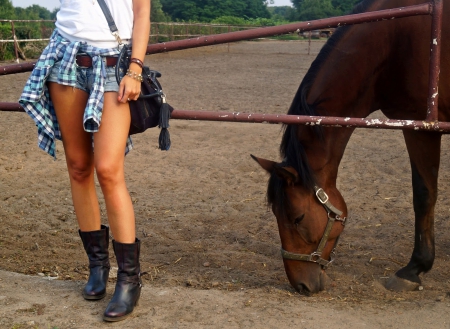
<point>361,69</point>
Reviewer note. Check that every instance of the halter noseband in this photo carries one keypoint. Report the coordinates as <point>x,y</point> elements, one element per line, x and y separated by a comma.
<point>316,256</point>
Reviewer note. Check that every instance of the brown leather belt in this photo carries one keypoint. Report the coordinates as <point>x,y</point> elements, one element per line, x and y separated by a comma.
<point>86,61</point>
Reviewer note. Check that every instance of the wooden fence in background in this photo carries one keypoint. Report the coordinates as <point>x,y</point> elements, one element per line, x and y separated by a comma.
<point>159,32</point>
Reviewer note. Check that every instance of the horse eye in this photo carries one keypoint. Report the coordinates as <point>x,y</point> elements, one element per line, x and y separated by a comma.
<point>299,219</point>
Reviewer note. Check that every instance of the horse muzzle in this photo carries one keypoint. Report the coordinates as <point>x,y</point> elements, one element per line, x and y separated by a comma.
<point>309,280</point>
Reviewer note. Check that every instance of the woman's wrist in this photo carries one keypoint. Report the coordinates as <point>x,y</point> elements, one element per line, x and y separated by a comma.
<point>135,68</point>
<point>137,61</point>
<point>134,75</point>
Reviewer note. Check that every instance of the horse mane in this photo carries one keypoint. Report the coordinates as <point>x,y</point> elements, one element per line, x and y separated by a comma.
<point>291,149</point>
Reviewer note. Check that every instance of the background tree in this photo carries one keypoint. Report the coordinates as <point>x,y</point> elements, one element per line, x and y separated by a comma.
<point>283,13</point>
<point>32,12</point>
<point>6,9</point>
<point>207,10</point>
<point>315,9</point>
<point>344,6</point>
<point>24,30</point>
<point>157,14</point>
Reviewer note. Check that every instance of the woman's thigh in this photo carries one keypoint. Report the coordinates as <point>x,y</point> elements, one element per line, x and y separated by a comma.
<point>69,104</point>
<point>110,140</point>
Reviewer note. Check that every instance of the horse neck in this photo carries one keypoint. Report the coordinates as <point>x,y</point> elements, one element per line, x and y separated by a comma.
<point>324,154</point>
<point>359,62</point>
<point>357,73</point>
<point>344,84</point>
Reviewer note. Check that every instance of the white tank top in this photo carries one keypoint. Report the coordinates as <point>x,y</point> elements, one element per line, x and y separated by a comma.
<point>83,20</point>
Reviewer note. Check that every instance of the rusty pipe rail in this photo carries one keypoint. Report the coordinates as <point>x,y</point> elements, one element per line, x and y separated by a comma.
<point>442,127</point>
<point>215,39</point>
<point>435,8</point>
<point>374,16</point>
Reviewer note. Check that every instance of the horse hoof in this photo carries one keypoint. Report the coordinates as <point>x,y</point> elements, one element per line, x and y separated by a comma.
<point>398,284</point>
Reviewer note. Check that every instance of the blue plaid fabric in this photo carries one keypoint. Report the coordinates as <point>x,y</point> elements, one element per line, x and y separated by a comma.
<point>35,98</point>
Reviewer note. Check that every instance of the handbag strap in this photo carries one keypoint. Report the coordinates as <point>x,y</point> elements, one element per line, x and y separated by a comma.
<point>112,25</point>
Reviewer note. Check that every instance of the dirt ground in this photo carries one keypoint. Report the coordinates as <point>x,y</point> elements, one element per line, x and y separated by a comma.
<point>210,246</point>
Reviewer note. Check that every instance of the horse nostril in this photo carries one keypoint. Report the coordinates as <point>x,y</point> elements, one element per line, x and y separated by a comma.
<point>303,289</point>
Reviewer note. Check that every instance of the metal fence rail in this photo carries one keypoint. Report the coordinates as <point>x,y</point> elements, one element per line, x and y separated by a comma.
<point>159,31</point>
<point>174,31</point>
<point>430,123</point>
<point>423,9</point>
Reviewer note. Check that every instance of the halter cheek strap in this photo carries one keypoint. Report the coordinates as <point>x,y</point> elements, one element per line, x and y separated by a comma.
<point>316,256</point>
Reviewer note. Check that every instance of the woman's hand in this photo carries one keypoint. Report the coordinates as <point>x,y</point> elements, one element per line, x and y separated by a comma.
<point>129,88</point>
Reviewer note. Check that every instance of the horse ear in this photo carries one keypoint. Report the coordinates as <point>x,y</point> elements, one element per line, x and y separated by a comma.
<point>267,165</point>
<point>287,173</point>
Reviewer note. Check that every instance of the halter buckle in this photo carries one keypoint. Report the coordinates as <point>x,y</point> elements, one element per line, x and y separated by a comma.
<point>322,196</point>
<point>314,256</point>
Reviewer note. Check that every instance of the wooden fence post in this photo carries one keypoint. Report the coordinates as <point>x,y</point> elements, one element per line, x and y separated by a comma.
<point>229,29</point>
<point>16,51</point>
<point>309,42</point>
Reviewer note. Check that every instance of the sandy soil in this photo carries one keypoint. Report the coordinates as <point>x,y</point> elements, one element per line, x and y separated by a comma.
<point>210,246</point>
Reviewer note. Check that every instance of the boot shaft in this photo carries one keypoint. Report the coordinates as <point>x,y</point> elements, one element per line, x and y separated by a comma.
<point>96,244</point>
<point>127,256</point>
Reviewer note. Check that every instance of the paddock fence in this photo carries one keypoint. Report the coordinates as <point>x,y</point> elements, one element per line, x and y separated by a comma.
<point>18,36</point>
<point>434,8</point>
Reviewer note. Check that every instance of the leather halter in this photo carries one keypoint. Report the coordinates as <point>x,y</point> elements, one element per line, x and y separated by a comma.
<point>316,256</point>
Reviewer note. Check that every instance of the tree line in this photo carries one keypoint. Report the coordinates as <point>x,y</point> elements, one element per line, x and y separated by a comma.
<point>210,10</point>
<point>230,12</point>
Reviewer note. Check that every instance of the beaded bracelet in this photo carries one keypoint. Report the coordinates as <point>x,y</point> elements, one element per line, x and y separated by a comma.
<point>134,75</point>
<point>137,61</point>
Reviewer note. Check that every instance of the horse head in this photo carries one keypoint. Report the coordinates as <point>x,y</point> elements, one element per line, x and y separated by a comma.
<point>309,222</point>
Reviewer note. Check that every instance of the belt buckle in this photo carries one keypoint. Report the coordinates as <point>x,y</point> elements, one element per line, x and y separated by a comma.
<point>81,55</point>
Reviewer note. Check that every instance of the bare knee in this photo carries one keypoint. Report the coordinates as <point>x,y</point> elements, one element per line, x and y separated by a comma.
<point>80,171</point>
<point>109,175</point>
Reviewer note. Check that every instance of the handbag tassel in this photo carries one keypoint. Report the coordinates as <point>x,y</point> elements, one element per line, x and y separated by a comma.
<point>164,116</point>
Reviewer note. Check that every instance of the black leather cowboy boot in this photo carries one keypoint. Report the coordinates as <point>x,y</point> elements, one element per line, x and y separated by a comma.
<point>128,286</point>
<point>96,245</point>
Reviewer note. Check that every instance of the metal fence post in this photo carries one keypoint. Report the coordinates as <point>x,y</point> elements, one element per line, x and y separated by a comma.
<point>435,60</point>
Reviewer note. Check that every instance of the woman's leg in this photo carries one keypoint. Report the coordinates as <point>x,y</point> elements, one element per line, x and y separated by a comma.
<point>109,159</point>
<point>69,104</point>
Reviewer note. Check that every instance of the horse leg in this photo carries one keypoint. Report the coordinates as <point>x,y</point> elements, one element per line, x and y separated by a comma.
<point>424,154</point>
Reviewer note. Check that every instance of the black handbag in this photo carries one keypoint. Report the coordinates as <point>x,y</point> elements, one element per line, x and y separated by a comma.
<point>151,108</point>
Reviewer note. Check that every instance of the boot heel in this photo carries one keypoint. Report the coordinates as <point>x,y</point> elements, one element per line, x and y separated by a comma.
<point>138,298</point>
